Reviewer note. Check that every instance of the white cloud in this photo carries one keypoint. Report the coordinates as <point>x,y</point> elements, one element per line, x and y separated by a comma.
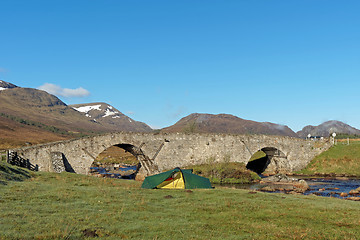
<point>130,113</point>
<point>3,70</point>
<point>64,92</point>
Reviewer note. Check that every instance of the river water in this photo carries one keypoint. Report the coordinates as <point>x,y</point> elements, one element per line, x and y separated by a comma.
<point>124,172</point>
<point>331,187</point>
<point>326,187</point>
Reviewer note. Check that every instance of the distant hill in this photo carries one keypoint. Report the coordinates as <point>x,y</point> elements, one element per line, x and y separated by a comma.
<point>34,116</point>
<point>225,123</point>
<point>327,128</point>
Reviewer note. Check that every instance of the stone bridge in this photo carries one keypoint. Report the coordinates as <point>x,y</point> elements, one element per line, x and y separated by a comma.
<point>158,152</point>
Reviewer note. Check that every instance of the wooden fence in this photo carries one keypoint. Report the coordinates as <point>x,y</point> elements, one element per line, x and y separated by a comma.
<point>16,160</point>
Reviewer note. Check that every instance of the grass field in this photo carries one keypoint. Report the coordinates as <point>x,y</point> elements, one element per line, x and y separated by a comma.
<point>70,206</point>
<point>340,159</point>
<point>10,173</point>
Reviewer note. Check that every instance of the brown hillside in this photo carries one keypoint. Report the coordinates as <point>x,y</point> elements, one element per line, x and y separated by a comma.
<point>35,116</point>
<point>39,106</point>
<point>14,134</point>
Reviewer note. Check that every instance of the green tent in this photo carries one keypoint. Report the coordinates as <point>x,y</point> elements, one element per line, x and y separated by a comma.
<point>176,179</point>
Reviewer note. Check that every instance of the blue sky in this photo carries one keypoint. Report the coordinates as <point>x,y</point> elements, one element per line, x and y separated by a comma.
<point>295,63</point>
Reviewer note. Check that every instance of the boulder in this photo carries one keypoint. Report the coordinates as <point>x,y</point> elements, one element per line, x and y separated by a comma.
<point>354,192</point>
<point>268,189</point>
<point>302,184</point>
<point>343,194</point>
<point>279,178</point>
<point>295,192</point>
<point>299,190</point>
<point>354,198</point>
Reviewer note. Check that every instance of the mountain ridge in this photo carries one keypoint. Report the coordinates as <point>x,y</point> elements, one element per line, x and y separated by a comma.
<point>227,123</point>
<point>326,128</point>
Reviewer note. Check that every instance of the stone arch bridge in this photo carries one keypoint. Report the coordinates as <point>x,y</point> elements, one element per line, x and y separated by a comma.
<point>157,152</point>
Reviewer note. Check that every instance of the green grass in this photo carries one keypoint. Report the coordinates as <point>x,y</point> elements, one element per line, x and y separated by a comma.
<point>12,173</point>
<point>62,206</point>
<point>228,172</point>
<point>340,159</point>
<point>259,154</point>
<point>345,136</point>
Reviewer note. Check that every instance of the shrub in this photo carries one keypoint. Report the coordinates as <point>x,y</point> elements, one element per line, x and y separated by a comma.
<point>229,172</point>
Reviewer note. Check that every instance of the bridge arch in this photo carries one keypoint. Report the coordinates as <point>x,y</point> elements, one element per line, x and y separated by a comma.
<point>116,161</point>
<point>144,163</point>
<point>268,159</point>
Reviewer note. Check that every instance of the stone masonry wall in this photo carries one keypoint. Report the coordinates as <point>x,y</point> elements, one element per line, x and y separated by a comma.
<point>176,150</point>
<point>57,162</point>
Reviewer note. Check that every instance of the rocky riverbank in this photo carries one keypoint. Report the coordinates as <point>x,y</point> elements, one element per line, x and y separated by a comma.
<point>284,183</point>
<point>347,188</point>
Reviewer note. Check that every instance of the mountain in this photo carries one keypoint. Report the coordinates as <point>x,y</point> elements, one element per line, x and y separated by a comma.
<point>107,115</point>
<point>327,128</point>
<point>225,123</point>
<point>32,115</point>
<point>5,85</point>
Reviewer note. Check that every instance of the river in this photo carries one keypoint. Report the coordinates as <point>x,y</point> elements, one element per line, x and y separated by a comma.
<point>123,172</point>
<point>326,187</point>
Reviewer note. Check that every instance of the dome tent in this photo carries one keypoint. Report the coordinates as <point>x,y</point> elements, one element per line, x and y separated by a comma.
<point>176,179</point>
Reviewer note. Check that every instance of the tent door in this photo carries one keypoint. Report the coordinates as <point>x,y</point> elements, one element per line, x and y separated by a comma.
<point>175,181</point>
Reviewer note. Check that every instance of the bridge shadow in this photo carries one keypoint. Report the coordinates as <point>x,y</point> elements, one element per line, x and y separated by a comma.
<point>258,165</point>
<point>67,165</point>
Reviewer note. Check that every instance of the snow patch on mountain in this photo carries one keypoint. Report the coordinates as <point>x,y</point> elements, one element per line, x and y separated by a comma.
<point>110,112</point>
<point>86,109</point>
<point>6,85</point>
